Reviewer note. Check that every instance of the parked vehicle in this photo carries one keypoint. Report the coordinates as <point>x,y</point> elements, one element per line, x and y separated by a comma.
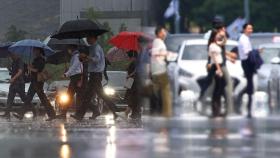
<point>269,75</point>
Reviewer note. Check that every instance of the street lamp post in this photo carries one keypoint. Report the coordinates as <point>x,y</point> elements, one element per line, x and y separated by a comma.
<point>177,16</point>
<point>247,10</point>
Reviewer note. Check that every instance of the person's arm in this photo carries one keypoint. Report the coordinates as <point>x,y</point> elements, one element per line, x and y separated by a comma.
<point>215,55</point>
<point>13,79</point>
<point>217,64</point>
<point>32,69</point>
<point>76,65</point>
<point>39,66</point>
<point>95,57</point>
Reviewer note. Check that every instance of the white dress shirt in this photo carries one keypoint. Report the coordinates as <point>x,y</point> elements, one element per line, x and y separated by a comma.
<point>158,56</point>
<point>76,67</point>
<point>244,47</point>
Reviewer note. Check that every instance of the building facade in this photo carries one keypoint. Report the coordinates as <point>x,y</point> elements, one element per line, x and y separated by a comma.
<point>133,14</point>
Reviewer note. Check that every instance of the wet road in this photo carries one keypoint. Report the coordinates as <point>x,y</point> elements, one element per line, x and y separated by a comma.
<point>191,136</point>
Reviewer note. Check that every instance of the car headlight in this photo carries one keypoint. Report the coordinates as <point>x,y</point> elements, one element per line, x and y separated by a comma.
<point>63,98</point>
<point>3,94</point>
<point>109,91</point>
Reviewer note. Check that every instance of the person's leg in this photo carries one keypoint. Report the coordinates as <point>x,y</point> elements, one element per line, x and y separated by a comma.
<point>100,93</point>
<point>70,93</point>
<point>44,100</point>
<point>28,105</point>
<point>208,82</point>
<point>23,97</point>
<point>228,90</point>
<point>86,98</point>
<point>214,101</point>
<point>10,100</point>
<point>250,91</point>
<point>220,90</point>
<point>166,96</point>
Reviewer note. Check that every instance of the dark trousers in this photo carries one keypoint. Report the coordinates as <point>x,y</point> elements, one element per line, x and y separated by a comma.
<point>217,94</point>
<point>73,89</point>
<point>207,81</point>
<point>17,88</point>
<point>249,89</point>
<point>37,87</point>
<point>133,101</point>
<point>94,87</point>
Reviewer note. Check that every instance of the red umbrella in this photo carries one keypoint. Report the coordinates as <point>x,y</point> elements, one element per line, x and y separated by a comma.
<point>115,54</point>
<point>128,40</point>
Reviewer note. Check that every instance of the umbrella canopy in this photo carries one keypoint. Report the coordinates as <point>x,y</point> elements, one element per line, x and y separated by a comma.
<point>4,52</point>
<point>128,40</point>
<point>78,29</point>
<point>61,45</point>
<point>115,54</point>
<point>25,47</point>
<point>53,41</point>
<point>59,57</point>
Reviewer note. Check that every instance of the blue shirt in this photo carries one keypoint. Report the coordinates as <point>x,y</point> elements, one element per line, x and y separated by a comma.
<point>97,62</point>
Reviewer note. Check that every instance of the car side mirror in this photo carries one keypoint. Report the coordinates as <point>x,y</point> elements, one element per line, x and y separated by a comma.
<point>275,60</point>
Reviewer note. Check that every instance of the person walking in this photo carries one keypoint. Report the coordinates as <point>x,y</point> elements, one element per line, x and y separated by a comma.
<point>131,94</point>
<point>244,49</point>
<point>215,44</point>
<point>74,72</point>
<point>220,27</point>
<point>96,65</point>
<point>17,85</point>
<point>159,73</point>
<point>37,85</point>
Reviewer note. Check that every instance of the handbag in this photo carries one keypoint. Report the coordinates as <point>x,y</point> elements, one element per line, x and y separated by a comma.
<point>43,76</point>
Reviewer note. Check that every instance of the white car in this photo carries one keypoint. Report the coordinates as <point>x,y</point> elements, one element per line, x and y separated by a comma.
<point>4,89</point>
<point>192,60</point>
<point>269,75</point>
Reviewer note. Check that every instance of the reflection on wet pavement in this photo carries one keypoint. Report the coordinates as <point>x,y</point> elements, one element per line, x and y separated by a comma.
<point>195,136</point>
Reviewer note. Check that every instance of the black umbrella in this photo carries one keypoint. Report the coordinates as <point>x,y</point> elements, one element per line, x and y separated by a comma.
<point>61,45</point>
<point>59,57</point>
<point>78,29</point>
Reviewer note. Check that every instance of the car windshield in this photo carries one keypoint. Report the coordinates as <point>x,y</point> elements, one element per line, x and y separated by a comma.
<point>269,53</point>
<point>116,79</point>
<point>199,52</point>
<point>4,76</point>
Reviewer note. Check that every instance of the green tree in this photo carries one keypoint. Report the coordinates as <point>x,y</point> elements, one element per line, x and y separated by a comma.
<point>123,27</point>
<point>263,14</point>
<point>13,34</point>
